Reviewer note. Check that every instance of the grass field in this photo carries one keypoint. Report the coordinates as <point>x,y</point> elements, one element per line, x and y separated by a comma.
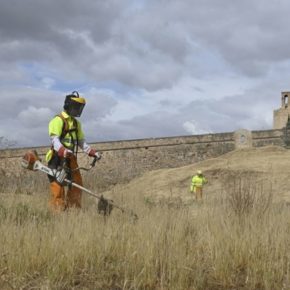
<point>238,237</point>
<point>239,241</point>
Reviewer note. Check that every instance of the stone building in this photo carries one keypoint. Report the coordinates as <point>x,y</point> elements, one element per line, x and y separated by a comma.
<point>281,115</point>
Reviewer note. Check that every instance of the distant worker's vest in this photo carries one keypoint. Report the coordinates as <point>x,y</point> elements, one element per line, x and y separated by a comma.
<point>197,182</point>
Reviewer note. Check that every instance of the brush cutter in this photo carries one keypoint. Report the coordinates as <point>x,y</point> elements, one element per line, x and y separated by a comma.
<point>32,162</point>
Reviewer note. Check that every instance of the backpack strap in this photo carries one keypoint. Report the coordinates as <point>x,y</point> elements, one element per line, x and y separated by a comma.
<point>66,130</point>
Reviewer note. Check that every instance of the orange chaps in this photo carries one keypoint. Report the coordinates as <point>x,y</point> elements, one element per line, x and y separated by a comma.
<point>198,193</point>
<point>61,200</point>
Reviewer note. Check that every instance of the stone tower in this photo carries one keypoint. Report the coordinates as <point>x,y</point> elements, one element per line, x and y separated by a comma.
<point>281,115</point>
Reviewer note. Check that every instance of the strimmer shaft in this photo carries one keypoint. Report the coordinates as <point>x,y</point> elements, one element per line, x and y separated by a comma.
<point>38,166</point>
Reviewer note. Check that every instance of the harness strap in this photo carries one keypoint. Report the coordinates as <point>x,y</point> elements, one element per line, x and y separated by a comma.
<point>66,130</point>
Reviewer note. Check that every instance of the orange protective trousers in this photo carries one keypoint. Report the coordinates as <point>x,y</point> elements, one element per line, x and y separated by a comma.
<point>198,193</point>
<point>61,200</point>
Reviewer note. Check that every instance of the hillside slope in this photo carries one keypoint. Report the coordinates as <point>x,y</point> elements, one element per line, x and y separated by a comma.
<point>265,169</point>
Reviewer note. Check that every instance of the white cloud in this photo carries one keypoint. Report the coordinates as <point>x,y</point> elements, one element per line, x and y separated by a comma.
<point>35,117</point>
<point>192,128</point>
<point>147,68</point>
<point>48,82</point>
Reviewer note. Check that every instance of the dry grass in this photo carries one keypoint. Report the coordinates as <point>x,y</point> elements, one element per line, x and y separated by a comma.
<point>198,246</point>
<point>237,238</point>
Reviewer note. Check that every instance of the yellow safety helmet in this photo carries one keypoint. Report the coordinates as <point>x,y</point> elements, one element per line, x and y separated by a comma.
<point>199,172</point>
<point>74,104</point>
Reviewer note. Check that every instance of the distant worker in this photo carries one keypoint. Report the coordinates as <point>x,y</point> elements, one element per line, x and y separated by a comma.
<point>197,183</point>
<point>66,136</point>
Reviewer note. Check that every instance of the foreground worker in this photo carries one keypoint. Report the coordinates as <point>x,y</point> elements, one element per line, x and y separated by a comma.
<point>66,136</point>
<point>197,184</point>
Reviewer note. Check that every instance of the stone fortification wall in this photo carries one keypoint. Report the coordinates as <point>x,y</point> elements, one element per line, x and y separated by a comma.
<point>124,160</point>
<point>268,137</point>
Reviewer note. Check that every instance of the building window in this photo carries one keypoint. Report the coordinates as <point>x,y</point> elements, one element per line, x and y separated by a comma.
<point>285,101</point>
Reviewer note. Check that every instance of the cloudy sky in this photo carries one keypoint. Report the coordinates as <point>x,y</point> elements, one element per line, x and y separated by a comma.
<point>148,68</point>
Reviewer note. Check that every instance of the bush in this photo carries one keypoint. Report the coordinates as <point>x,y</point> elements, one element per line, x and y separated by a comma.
<point>244,195</point>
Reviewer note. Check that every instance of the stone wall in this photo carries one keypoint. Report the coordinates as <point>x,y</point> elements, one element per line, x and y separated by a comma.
<point>124,160</point>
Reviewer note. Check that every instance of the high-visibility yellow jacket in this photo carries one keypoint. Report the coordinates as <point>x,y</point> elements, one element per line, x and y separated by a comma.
<point>71,139</point>
<point>197,181</point>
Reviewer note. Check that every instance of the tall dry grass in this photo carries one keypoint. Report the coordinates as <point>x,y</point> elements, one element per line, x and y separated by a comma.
<point>207,245</point>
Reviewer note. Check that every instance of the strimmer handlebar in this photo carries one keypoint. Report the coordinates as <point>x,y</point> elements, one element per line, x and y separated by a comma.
<point>93,164</point>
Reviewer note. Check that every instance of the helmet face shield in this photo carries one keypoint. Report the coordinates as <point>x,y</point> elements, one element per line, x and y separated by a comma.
<point>75,109</point>
<point>74,104</point>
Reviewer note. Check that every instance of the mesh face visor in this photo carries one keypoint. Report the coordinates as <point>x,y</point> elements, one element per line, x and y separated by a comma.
<point>75,109</point>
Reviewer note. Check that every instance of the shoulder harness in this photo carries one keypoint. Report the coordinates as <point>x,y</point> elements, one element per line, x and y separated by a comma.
<point>66,130</point>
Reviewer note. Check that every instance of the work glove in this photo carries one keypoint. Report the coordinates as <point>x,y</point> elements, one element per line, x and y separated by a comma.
<point>64,152</point>
<point>94,153</point>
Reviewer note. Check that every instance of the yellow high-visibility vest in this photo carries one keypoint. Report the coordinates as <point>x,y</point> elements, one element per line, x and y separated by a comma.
<point>69,138</point>
<point>197,181</point>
